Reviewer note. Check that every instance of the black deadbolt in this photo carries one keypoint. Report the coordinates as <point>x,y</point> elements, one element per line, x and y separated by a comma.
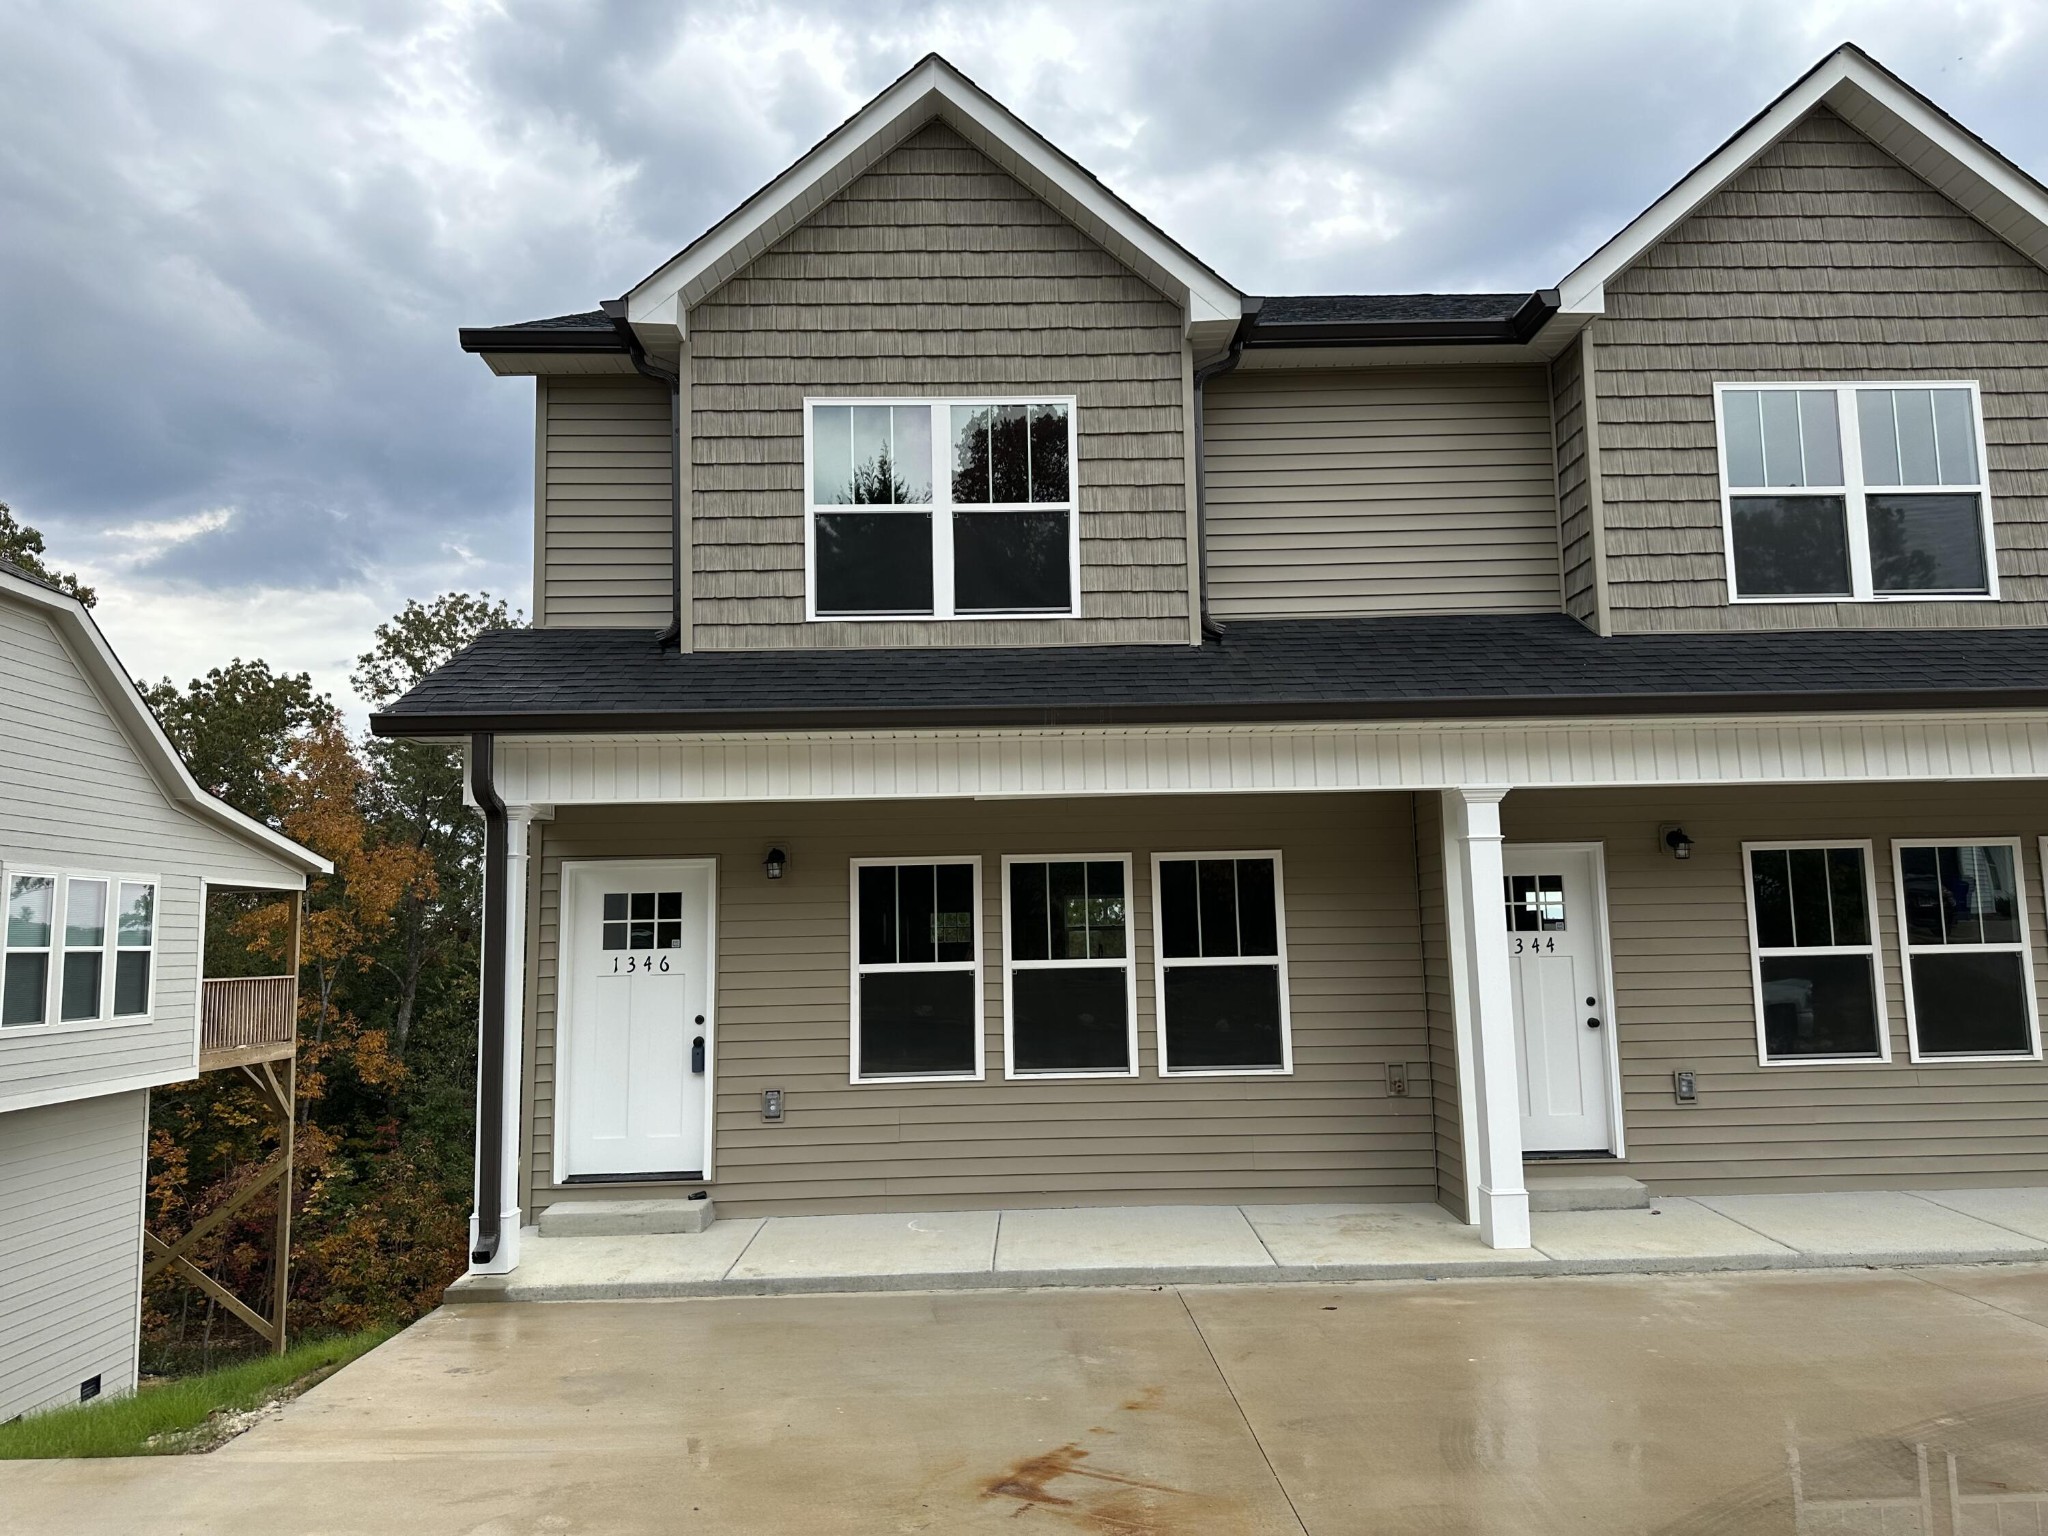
<point>697,1054</point>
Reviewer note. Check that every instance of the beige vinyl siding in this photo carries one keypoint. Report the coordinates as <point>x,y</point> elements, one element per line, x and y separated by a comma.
<point>935,273</point>
<point>606,536</point>
<point>76,795</point>
<point>1824,260</point>
<point>1433,912</point>
<point>71,1180</point>
<point>1684,997</point>
<point>1328,1132</point>
<point>1575,509</point>
<point>1423,490</point>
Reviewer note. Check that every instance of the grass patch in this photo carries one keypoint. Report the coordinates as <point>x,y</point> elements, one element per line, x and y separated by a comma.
<point>194,1413</point>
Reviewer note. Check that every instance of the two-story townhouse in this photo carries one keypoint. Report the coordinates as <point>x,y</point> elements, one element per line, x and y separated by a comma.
<point>1013,720</point>
<point>108,853</point>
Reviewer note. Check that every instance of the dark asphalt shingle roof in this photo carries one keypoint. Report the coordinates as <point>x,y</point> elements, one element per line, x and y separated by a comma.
<point>1355,308</point>
<point>1442,667</point>
<point>585,320</point>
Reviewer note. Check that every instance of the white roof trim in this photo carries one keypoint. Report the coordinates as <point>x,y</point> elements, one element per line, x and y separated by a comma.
<point>1876,103</point>
<point>117,689</point>
<point>933,87</point>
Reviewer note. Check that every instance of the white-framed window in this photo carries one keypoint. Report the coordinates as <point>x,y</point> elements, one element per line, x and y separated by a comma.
<point>1866,491</point>
<point>1070,989</point>
<point>76,948</point>
<point>1969,970</point>
<point>1221,971</point>
<point>941,508</point>
<point>916,970</point>
<point>1819,988</point>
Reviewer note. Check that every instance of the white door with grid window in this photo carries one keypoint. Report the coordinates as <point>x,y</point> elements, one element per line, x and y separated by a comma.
<point>633,1035</point>
<point>1563,1030</point>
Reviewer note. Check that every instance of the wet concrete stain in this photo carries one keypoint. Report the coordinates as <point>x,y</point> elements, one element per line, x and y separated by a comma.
<point>1105,1501</point>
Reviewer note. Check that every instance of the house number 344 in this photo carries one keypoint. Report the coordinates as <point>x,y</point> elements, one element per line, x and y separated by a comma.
<point>1536,946</point>
<point>635,963</point>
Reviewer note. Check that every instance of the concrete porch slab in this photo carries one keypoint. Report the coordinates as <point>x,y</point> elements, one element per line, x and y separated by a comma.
<point>907,1250</point>
<point>2023,1210</point>
<point>1336,1241</point>
<point>1900,1228</point>
<point>1131,1244</point>
<point>613,1268</point>
<point>1669,1234</point>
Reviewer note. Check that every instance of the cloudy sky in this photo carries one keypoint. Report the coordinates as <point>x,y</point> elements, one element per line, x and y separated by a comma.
<point>236,240</point>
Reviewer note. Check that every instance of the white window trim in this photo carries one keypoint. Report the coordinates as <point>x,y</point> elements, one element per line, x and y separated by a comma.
<point>942,510</point>
<point>53,980</point>
<point>1873,951</point>
<point>854,968</point>
<point>1852,491</point>
<point>1907,949</point>
<point>1160,966</point>
<point>1129,964</point>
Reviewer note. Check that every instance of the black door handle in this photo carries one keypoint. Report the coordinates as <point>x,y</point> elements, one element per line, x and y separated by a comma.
<point>697,1055</point>
<point>1592,1023</point>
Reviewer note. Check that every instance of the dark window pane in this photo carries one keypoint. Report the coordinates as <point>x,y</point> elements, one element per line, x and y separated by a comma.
<point>1180,930</point>
<point>1006,561</point>
<point>1979,898</point>
<point>1819,1005</point>
<point>668,934</point>
<point>1790,546</point>
<point>1009,456</point>
<point>1811,925</point>
<point>1521,898</point>
<point>874,562</point>
<point>1218,880</point>
<point>615,906</point>
<point>917,912</point>
<point>26,986</point>
<point>1106,913</point>
<point>953,923</point>
<point>1066,894</point>
<point>668,904</point>
<point>1223,1016</point>
<point>82,985</point>
<point>131,984</point>
<point>878,914</point>
<point>643,904</point>
<point>1966,1004</point>
<point>615,935</point>
<point>1850,892</point>
<point>1926,544</point>
<point>1920,877</point>
<point>641,935</point>
<point>970,455</point>
<point>1028,923</point>
<point>1258,926</point>
<point>917,1021</point>
<point>1049,469</point>
<point>1070,1020</point>
<point>1771,881</point>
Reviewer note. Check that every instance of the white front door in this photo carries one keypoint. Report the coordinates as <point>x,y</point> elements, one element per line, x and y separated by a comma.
<point>1557,952</point>
<point>633,1036</point>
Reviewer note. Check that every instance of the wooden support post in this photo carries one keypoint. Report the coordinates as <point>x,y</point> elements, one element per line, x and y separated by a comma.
<point>281,1283</point>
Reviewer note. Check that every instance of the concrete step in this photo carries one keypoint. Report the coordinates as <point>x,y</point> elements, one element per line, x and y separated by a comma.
<point>624,1218</point>
<point>1577,1191</point>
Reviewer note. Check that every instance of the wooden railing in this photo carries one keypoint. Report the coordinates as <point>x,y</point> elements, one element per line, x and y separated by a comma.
<point>248,1018</point>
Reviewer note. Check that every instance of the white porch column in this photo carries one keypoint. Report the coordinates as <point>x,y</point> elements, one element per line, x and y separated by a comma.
<point>1479,954</point>
<point>519,820</point>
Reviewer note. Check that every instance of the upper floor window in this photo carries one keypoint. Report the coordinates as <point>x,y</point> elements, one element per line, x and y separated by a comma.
<point>940,509</point>
<point>1854,491</point>
<point>77,948</point>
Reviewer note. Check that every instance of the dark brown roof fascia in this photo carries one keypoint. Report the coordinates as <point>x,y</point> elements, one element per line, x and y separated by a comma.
<point>509,338</point>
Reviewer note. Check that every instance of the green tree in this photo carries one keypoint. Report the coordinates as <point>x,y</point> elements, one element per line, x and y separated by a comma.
<point>415,795</point>
<point>236,728</point>
<point>22,546</point>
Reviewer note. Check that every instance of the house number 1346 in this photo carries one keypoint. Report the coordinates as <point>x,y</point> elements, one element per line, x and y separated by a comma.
<point>635,963</point>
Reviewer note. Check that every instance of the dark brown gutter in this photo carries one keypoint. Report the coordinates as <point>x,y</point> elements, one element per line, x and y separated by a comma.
<point>512,338</point>
<point>490,1054</point>
<point>1211,630</point>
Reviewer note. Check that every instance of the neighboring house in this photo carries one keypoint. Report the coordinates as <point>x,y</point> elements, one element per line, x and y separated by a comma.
<point>108,850</point>
<point>1013,720</point>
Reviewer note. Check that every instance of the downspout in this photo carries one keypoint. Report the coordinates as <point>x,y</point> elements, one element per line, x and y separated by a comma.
<point>1211,630</point>
<point>615,309</point>
<point>490,1071</point>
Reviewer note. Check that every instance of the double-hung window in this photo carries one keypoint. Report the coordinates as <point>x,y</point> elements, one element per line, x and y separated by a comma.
<point>941,509</point>
<point>1222,964</point>
<point>1069,987</point>
<point>76,949</point>
<point>1813,938</point>
<point>916,969</point>
<point>1854,491</point>
<point>1969,972</point>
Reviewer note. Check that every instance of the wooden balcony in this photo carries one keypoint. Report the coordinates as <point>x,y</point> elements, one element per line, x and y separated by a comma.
<point>247,1019</point>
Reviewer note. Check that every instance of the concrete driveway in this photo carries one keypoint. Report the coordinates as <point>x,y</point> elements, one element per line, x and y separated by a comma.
<point>1861,1401</point>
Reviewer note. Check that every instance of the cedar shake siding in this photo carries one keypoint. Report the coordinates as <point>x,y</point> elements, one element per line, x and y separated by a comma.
<point>1327,1132</point>
<point>1684,996</point>
<point>1575,510</point>
<point>1414,490</point>
<point>603,507</point>
<point>935,273</point>
<point>1826,259</point>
